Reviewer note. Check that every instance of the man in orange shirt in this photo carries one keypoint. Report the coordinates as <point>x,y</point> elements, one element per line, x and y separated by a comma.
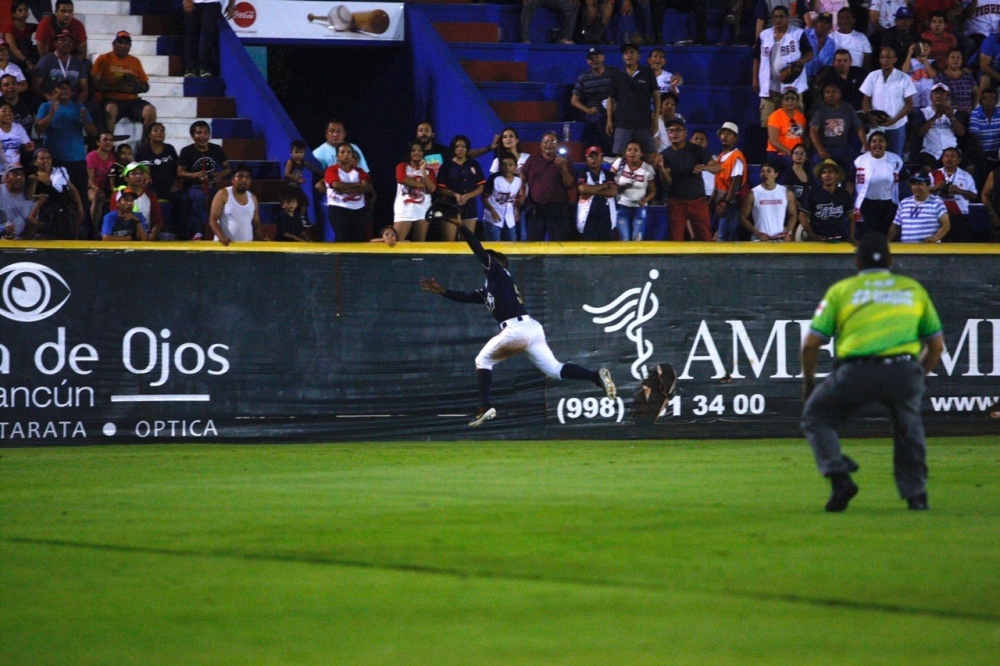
<point>119,78</point>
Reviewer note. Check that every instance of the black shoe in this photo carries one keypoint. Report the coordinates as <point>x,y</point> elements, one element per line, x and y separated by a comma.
<point>918,502</point>
<point>844,491</point>
<point>852,466</point>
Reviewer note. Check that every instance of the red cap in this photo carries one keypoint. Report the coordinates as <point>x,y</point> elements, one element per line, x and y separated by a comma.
<point>594,149</point>
<point>123,35</point>
<point>65,33</point>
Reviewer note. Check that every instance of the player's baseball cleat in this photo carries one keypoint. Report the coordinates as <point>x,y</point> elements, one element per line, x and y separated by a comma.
<point>609,384</point>
<point>918,502</point>
<point>483,415</point>
<point>844,491</point>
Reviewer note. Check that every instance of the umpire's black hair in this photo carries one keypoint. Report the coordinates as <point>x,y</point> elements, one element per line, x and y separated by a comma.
<point>873,251</point>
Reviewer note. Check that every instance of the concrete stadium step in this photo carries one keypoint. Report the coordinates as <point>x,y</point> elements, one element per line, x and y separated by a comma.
<point>496,70</point>
<point>166,86</point>
<point>142,45</point>
<point>157,65</point>
<point>266,190</point>
<point>183,107</point>
<point>468,32</point>
<point>526,112</point>
<point>524,92</point>
<point>110,7</point>
<point>263,169</point>
<point>109,24</point>
<point>245,149</point>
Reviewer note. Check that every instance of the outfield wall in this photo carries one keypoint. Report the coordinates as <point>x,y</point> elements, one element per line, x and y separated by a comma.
<point>193,342</point>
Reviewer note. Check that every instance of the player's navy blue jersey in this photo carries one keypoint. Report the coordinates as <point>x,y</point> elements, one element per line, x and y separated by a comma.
<point>500,294</point>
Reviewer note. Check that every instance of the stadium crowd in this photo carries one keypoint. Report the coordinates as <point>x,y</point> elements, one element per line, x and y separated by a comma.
<point>899,92</point>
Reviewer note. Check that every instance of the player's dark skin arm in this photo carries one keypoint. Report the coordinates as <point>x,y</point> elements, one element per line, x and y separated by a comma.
<point>433,286</point>
<point>810,359</point>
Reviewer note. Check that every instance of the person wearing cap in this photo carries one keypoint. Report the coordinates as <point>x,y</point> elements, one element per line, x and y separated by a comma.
<point>62,21</point>
<point>890,92</point>
<point>633,104</point>
<point>596,212</point>
<point>882,15</point>
<point>730,183</point>
<point>769,211</point>
<point>590,95</point>
<point>568,8</point>
<point>776,49</point>
<point>833,126</point>
<point>119,78</point>
<point>136,176</point>
<point>902,34</point>
<point>636,181</point>
<point>235,213</point>
<point>888,338</point>
<point>957,188</point>
<point>826,211</point>
<point>822,43</point>
<point>7,68</point>
<point>201,35</point>
<point>548,181</point>
<point>123,223</point>
<point>922,217</point>
<point>61,65</point>
<point>680,166</point>
<point>940,129</point>
<point>13,202</point>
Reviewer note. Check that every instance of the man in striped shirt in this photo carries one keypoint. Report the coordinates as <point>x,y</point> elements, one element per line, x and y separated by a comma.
<point>984,124</point>
<point>921,218</point>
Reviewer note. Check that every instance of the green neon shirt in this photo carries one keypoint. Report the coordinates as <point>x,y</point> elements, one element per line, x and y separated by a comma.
<point>876,313</point>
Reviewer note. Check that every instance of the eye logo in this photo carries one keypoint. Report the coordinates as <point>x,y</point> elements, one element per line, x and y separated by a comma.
<point>27,292</point>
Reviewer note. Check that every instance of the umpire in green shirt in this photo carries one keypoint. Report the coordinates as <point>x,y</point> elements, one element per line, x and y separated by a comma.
<point>888,336</point>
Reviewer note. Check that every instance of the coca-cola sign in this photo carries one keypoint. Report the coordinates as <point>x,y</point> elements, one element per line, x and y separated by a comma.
<point>245,15</point>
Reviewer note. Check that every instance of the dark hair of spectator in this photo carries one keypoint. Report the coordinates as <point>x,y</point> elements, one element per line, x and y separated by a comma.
<point>956,50</point>
<point>939,14</point>
<point>242,168</point>
<point>798,145</point>
<point>460,137</point>
<point>658,50</point>
<point>386,228</point>
<point>953,149</point>
<point>552,134</point>
<point>101,135</point>
<point>6,75</point>
<point>409,149</point>
<point>198,124</point>
<point>13,7</point>
<point>696,132</point>
<point>5,103</point>
<point>289,196</point>
<point>502,152</point>
<point>845,9</point>
<point>670,94</point>
<point>335,121</point>
<point>990,91</point>
<point>842,52</point>
<point>298,144</point>
<point>120,150</point>
<point>779,8</point>
<point>342,144</point>
<point>877,133</point>
<point>873,251</point>
<point>60,3</point>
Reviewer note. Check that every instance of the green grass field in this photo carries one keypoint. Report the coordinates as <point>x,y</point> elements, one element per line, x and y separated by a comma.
<point>494,553</point>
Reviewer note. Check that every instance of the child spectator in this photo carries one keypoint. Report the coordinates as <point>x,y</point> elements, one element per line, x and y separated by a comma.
<point>295,168</point>
<point>461,178</point>
<point>668,112</point>
<point>940,39</point>
<point>636,181</point>
<point>699,138</point>
<point>19,38</point>
<point>922,72</point>
<point>124,224</point>
<point>123,157</point>
<point>99,164</point>
<point>503,195</point>
<point>665,81</point>
<point>291,222</point>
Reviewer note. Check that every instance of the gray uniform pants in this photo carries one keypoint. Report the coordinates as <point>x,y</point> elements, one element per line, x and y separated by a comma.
<point>897,385</point>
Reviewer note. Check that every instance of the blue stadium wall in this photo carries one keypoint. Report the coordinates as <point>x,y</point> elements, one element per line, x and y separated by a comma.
<point>190,343</point>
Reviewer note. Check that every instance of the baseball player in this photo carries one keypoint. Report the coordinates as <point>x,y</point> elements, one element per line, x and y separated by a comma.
<point>888,338</point>
<point>518,331</point>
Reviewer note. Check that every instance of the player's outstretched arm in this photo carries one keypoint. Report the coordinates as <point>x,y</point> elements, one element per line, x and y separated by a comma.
<point>477,247</point>
<point>433,286</point>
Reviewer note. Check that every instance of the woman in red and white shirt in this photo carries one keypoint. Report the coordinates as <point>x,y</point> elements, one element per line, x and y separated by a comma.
<point>346,187</point>
<point>415,185</point>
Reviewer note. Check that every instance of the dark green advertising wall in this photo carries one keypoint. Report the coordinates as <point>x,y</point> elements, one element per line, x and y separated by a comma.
<point>112,346</point>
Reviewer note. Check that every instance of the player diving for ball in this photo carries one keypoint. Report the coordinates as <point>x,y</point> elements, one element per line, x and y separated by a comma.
<point>518,331</point>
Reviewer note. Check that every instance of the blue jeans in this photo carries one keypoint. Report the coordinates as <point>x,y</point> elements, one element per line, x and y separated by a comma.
<point>896,139</point>
<point>201,36</point>
<point>729,223</point>
<point>631,222</point>
<point>200,201</point>
<point>493,233</point>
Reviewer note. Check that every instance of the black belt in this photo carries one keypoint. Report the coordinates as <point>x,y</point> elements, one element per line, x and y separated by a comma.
<point>506,322</point>
<point>885,360</point>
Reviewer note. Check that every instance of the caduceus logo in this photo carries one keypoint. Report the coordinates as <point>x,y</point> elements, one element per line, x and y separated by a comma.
<point>28,292</point>
<point>630,311</point>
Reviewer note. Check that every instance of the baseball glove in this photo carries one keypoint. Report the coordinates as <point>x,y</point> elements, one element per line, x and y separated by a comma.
<point>791,73</point>
<point>880,117</point>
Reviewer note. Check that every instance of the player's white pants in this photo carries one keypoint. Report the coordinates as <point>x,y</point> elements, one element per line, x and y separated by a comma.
<point>525,336</point>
